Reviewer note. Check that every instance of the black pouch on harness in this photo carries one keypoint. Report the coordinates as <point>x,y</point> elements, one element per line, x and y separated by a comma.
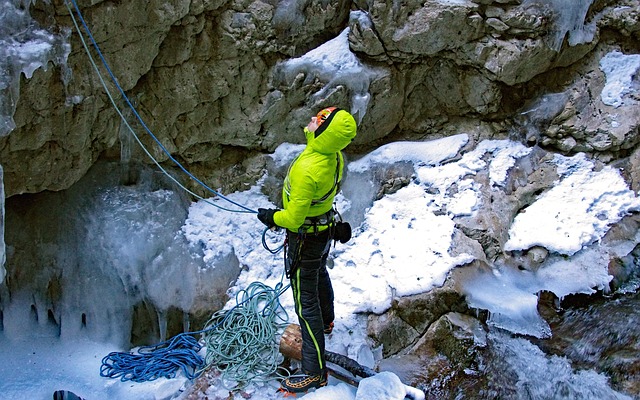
<point>342,232</point>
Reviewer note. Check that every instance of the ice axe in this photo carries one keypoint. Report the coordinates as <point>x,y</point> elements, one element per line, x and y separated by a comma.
<point>291,347</point>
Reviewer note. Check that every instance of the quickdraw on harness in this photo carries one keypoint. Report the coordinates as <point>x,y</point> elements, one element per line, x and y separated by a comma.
<point>338,231</point>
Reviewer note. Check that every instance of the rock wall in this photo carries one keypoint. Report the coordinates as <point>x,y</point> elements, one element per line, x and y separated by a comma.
<point>203,76</point>
<point>208,79</point>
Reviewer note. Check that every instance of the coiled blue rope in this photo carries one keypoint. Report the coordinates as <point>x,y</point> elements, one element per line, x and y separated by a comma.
<point>240,342</point>
<point>153,362</point>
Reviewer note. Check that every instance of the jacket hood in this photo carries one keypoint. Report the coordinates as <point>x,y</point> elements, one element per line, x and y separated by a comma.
<point>337,135</point>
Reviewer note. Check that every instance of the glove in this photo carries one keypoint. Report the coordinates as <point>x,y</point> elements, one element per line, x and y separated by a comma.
<point>266,216</point>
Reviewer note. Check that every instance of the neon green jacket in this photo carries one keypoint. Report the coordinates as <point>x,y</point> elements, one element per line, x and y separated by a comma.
<point>312,175</point>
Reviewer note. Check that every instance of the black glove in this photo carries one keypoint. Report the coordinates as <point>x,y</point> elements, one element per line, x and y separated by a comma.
<point>266,216</point>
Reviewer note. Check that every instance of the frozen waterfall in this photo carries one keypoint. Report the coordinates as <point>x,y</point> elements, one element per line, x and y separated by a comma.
<point>106,257</point>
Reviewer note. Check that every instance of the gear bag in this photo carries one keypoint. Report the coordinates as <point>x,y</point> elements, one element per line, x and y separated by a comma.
<point>342,232</point>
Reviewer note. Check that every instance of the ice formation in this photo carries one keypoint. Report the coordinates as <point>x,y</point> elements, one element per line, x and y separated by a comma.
<point>24,47</point>
<point>334,64</point>
<point>569,22</point>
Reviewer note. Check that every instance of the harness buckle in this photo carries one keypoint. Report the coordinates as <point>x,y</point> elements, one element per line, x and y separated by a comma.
<point>320,220</point>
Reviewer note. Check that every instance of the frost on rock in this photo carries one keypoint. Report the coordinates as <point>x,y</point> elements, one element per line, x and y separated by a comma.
<point>334,64</point>
<point>620,70</point>
<point>432,153</point>
<point>289,14</point>
<point>421,213</point>
<point>24,47</point>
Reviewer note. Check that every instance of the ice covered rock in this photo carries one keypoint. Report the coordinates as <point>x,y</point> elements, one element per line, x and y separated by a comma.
<point>382,386</point>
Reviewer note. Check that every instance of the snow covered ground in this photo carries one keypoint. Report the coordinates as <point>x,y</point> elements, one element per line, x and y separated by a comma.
<point>366,272</point>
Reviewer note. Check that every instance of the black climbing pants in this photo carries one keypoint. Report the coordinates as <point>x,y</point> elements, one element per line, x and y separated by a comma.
<point>312,293</point>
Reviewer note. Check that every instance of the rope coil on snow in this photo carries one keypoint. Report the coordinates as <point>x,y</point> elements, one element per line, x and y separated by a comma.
<point>153,362</point>
<point>241,341</point>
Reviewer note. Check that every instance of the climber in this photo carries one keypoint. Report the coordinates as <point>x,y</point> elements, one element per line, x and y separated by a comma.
<point>308,215</point>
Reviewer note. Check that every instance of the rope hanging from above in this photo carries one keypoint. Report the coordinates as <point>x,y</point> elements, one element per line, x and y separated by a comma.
<point>243,209</point>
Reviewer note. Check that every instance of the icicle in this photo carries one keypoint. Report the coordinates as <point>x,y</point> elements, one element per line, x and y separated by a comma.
<point>162,324</point>
<point>186,322</point>
<point>569,21</point>
<point>126,142</point>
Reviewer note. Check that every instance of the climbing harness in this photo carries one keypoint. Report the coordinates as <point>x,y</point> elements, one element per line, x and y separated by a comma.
<point>339,231</point>
<point>243,209</point>
<point>323,220</point>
